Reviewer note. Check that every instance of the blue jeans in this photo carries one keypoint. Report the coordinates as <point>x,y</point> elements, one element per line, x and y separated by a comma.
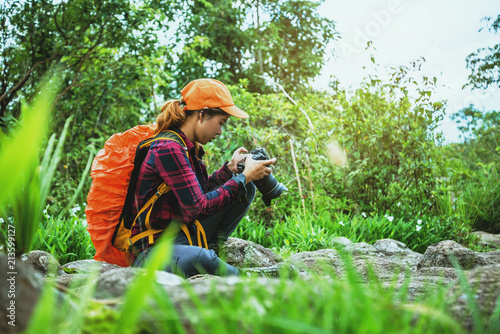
<point>190,260</point>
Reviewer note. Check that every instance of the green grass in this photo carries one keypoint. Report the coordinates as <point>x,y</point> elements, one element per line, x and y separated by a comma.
<point>67,239</point>
<point>315,305</point>
<point>481,198</point>
<point>309,231</point>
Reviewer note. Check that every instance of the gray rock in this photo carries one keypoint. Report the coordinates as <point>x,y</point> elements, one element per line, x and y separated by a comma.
<point>202,277</point>
<point>446,274</point>
<point>488,239</point>
<point>381,269</point>
<point>20,289</point>
<point>115,282</point>
<point>341,242</point>
<point>416,286</point>
<point>219,288</point>
<point>360,249</point>
<point>74,280</point>
<point>441,255</point>
<point>168,279</point>
<point>493,257</point>
<point>90,266</point>
<point>485,286</point>
<point>244,254</point>
<point>398,252</point>
<point>43,262</point>
<point>323,262</point>
<point>391,247</point>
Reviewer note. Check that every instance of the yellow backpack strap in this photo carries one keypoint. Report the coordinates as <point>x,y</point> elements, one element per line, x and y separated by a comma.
<point>159,137</point>
<point>201,230</point>
<point>163,188</point>
<point>200,234</point>
<point>186,232</point>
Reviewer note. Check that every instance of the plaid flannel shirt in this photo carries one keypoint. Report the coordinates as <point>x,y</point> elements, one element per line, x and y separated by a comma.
<point>167,162</point>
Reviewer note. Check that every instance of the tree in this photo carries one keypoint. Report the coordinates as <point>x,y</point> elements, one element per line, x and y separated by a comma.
<point>481,134</point>
<point>291,46</point>
<point>110,59</point>
<point>102,47</point>
<point>485,62</point>
<point>285,40</point>
<point>118,63</point>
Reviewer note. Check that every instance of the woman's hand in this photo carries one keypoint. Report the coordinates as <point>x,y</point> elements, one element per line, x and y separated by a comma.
<point>238,156</point>
<point>257,169</point>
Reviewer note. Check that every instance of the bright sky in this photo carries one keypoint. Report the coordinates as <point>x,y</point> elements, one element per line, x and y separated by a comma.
<point>444,32</point>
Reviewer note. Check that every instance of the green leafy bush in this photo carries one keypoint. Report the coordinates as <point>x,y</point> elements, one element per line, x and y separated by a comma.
<point>472,168</point>
<point>389,137</point>
<point>67,239</point>
<point>301,232</point>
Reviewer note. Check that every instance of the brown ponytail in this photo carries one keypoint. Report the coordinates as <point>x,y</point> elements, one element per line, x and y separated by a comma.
<point>171,116</point>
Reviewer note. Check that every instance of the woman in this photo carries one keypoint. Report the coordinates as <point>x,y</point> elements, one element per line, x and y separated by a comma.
<point>208,213</point>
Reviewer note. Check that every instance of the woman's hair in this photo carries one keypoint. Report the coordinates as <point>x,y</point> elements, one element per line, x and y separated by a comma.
<point>172,115</point>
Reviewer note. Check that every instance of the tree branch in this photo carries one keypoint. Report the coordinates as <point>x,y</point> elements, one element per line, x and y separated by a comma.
<point>8,96</point>
<point>80,63</point>
<point>55,21</point>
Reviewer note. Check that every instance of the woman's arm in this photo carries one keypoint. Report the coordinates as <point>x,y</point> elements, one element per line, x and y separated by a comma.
<point>172,164</point>
<point>228,169</point>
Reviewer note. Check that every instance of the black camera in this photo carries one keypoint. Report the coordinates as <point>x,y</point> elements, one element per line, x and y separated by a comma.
<point>268,186</point>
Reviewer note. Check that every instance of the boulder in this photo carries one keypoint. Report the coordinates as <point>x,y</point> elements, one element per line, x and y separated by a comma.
<point>442,253</point>
<point>323,262</point>
<point>245,254</point>
<point>447,275</point>
<point>490,257</point>
<point>484,283</point>
<point>341,242</point>
<point>20,289</point>
<point>360,249</point>
<point>115,282</point>
<point>391,247</point>
<point>488,239</point>
<point>90,266</point>
<point>43,262</point>
<point>381,269</point>
<point>73,280</point>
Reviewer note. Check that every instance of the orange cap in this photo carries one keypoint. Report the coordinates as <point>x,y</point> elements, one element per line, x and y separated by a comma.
<point>210,93</point>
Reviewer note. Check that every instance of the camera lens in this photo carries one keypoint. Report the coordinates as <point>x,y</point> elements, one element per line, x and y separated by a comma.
<point>268,186</point>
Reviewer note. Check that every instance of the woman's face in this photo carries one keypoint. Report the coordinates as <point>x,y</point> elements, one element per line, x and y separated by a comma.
<point>209,127</point>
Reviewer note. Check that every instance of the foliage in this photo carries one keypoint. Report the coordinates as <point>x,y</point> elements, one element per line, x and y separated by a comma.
<point>33,180</point>
<point>106,51</point>
<point>285,40</point>
<point>389,137</point>
<point>484,64</point>
<point>473,167</point>
<point>481,196</point>
<point>119,59</point>
<point>315,305</point>
<point>66,239</point>
<point>302,232</point>
<point>391,142</point>
<point>481,134</point>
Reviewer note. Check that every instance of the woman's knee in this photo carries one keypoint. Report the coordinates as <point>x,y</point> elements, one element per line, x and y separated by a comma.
<point>197,260</point>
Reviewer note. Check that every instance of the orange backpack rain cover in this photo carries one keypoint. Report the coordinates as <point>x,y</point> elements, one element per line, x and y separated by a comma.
<point>111,171</point>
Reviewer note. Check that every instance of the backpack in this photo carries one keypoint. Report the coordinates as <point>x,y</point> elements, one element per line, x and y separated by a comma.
<point>114,176</point>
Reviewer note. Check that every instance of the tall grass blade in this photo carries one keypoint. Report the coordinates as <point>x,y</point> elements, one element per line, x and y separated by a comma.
<point>138,294</point>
